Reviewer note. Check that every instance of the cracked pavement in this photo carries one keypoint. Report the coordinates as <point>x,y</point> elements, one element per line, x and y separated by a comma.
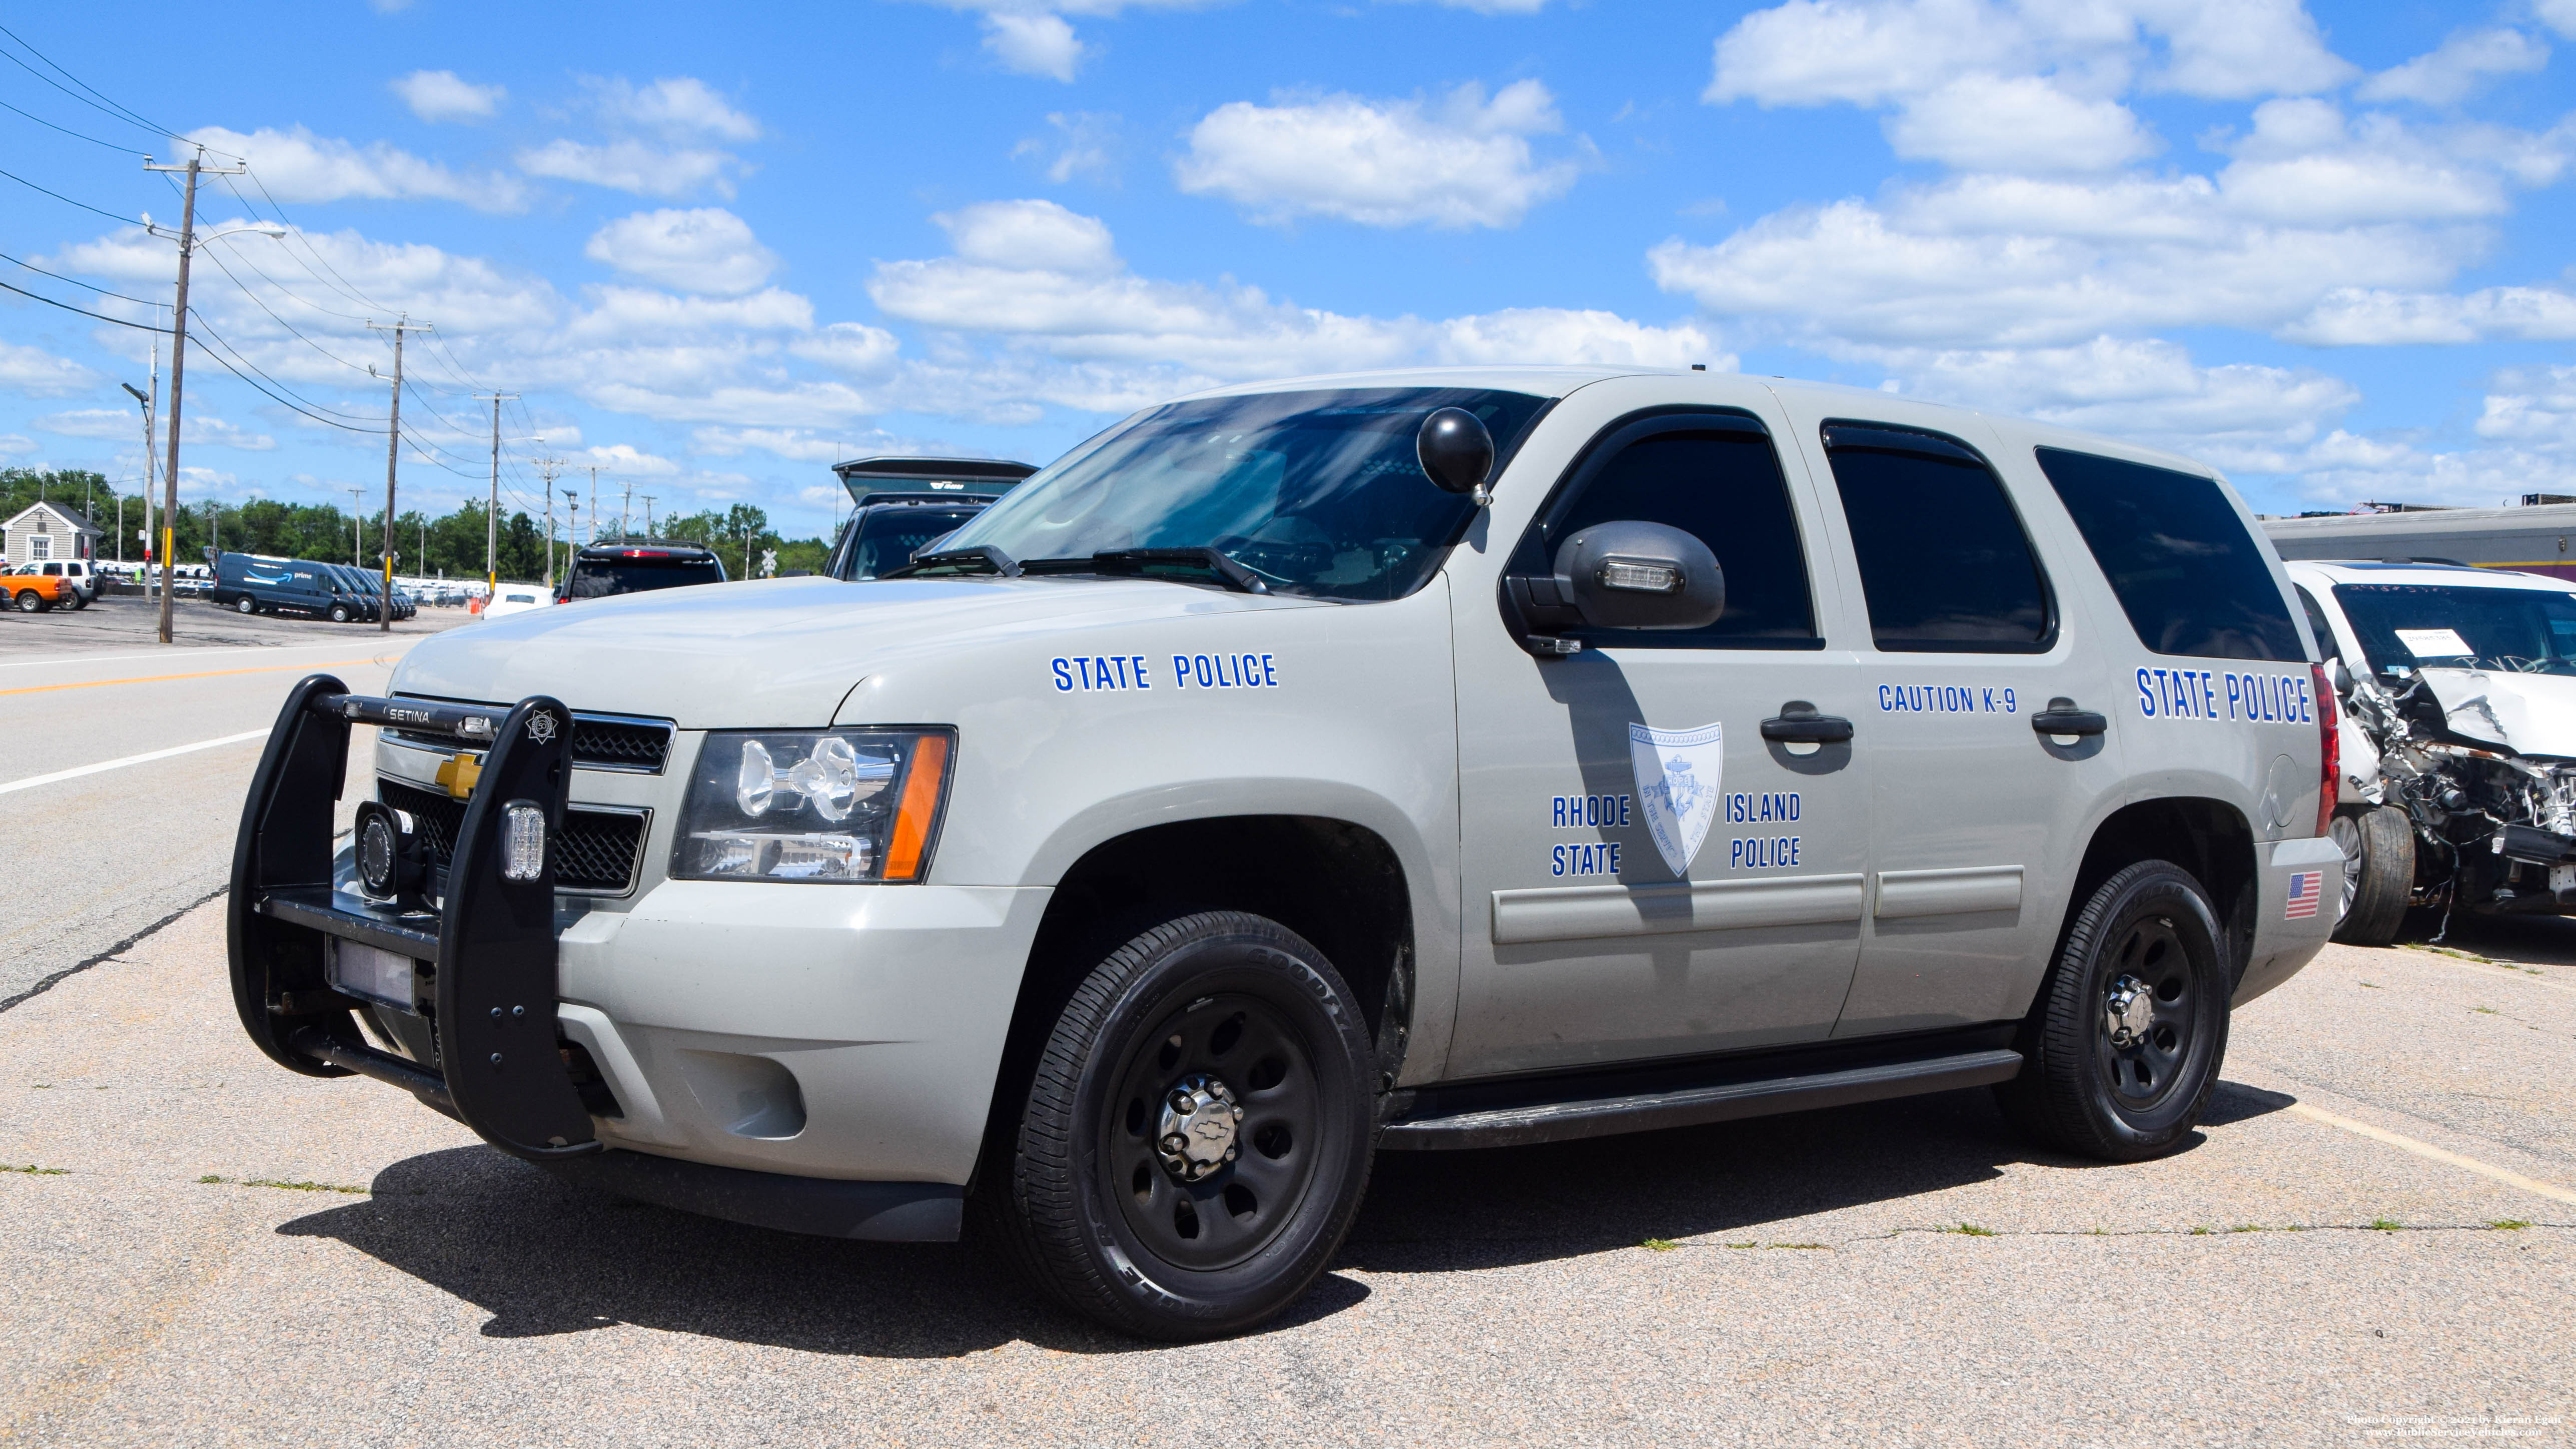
<point>220,1252</point>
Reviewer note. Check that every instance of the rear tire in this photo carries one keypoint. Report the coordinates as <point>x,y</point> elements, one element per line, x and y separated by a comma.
<point>2378,844</point>
<point>246,605</point>
<point>2123,1047</point>
<point>30,602</point>
<point>1241,1017</point>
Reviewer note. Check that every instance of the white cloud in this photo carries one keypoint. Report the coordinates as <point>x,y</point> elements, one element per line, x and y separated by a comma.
<point>2538,412</point>
<point>439,95</point>
<point>1873,52</point>
<point>630,165</point>
<point>16,445</point>
<point>625,458</point>
<point>39,373</point>
<point>850,347</point>
<point>1461,162</point>
<point>2355,317</point>
<point>706,250</point>
<point>124,425</point>
<point>2019,123</point>
<point>1031,236</point>
<point>679,107</point>
<point>2310,205</point>
<point>1085,146</point>
<point>297,165</point>
<point>1063,322</point>
<point>797,445</point>
<point>2558,15</point>
<point>2452,72</point>
<point>1034,43</point>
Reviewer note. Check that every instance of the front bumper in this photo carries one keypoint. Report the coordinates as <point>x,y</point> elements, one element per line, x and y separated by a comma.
<point>706,1027</point>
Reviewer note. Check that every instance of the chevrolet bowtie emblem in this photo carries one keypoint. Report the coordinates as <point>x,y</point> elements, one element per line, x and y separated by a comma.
<point>459,775</point>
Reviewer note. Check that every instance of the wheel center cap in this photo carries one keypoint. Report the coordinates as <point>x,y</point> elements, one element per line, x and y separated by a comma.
<point>2129,1011</point>
<point>1196,1135</point>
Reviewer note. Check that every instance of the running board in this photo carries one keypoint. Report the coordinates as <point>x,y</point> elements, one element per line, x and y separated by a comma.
<point>1519,1126</point>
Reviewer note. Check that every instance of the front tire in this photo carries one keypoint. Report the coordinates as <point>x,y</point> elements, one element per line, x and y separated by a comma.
<point>2123,1047</point>
<point>339,613</point>
<point>2378,846</point>
<point>1198,1131</point>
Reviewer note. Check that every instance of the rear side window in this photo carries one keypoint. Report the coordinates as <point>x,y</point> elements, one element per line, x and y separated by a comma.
<point>1716,478</point>
<point>2189,576</point>
<point>1944,562</point>
<point>2327,649</point>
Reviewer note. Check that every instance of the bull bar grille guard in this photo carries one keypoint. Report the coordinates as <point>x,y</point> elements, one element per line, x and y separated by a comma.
<point>498,1067</point>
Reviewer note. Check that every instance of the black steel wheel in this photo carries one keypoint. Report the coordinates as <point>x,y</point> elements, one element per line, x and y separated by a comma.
<point>2378,844</point>
<point>2123,1047</point>
<point>1197,1133</point>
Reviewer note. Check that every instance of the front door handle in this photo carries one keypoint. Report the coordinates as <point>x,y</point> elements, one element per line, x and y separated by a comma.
<point>1799,724</point>
<point>2063,718</point>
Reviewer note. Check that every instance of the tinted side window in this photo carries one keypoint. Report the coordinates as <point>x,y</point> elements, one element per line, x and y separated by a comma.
<point>2327,650</point>
<point>2188,575</point>
<point>1944,563</point>
<point>1723,486</point>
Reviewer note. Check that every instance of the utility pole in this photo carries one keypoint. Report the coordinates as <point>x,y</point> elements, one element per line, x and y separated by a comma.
<point>179,356</point>
<point>357,526</point>
<point>648,516</point>
<point>572,529</point>
<point>594,501</point>
<point>547,469</point>
<point>144,401</point>
<point>626,514</point>
<point>492,514</point>
<point>393,455</point>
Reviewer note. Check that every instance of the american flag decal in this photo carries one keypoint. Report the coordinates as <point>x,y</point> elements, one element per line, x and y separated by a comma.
<point>2306,889</point>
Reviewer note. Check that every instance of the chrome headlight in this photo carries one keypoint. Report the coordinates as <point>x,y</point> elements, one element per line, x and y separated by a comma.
<point>826,805</point>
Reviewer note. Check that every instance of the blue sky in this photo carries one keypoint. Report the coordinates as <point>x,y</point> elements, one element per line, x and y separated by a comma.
<point>2326,249</point>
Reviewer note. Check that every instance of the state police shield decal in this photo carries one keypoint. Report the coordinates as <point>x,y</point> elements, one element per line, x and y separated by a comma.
<point>1677,781</point>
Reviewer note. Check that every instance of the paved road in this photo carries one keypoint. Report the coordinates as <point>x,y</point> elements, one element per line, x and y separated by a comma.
<point>218,1252</point>
<point>93,859</point>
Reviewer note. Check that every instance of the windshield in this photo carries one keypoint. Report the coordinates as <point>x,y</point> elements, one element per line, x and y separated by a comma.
<point>1319,493</point>
<point>597,578</point>
<point>2406,627</point>
<point>889,537</point>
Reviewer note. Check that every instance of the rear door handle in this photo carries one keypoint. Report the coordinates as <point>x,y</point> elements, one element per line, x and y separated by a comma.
<point>2063,718</point>
<point>1799,724</point>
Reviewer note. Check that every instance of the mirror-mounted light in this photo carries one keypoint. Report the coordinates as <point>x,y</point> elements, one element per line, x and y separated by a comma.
<point>1636,575</point>
<point>1456,451</point>
<point>1640,576</point>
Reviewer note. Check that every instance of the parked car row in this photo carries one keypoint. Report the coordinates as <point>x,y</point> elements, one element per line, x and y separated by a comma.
<point>259,584</point>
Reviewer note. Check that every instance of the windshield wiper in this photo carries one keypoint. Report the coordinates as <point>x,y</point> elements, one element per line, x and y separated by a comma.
<point>1134,562</point>
<point>963,560</point>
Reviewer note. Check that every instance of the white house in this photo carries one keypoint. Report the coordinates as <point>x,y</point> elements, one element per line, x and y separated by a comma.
<point>46,531</point>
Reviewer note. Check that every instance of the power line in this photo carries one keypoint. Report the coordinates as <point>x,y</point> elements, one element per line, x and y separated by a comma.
<point>272,314</point>
<point>110,108</point>
<point>67,201</point>
<point>84,311</point>
<point>77,282</point>
<point>68,131</point>
<point>208,328</point>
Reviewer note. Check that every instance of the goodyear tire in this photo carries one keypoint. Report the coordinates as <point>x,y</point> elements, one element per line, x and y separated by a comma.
<point>1197,1133</point>
<point>2123,1047</point>
<point>2378,873</point>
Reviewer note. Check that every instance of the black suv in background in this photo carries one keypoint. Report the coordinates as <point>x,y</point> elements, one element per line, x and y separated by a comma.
<point>904,504</point>
<point>603,569</point>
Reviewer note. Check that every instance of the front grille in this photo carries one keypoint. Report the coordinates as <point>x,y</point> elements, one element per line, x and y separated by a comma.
<point>596,850</point>
<point>599,742</point>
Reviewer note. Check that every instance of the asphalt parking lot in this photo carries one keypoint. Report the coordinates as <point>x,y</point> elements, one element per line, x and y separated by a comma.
<point>2374,1237</point>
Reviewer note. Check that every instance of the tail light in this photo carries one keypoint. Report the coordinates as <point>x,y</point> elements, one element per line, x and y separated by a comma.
<point>2329,747</point>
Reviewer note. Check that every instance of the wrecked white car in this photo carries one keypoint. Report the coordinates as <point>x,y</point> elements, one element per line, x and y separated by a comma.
<point>2458,777</point>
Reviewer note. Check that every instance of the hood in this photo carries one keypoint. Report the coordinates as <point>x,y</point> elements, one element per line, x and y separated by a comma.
<point>2530,714</point>
<point>778,653</point>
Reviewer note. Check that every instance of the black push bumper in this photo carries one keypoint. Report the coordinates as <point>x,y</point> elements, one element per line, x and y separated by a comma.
<point>487,986</point>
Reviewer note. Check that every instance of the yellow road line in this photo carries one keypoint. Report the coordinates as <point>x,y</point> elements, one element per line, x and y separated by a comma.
<point>2432,1153</point>
<point>164,678</point>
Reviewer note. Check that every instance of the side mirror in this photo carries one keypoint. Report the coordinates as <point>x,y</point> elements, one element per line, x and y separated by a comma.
<point>1456,451</point>
<point>1630,575</point>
